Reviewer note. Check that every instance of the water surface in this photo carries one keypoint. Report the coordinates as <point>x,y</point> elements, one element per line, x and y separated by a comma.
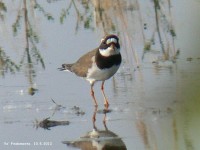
<point>154,97</point>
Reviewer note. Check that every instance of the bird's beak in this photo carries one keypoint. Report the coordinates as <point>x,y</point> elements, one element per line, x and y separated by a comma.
<point>112,46</point>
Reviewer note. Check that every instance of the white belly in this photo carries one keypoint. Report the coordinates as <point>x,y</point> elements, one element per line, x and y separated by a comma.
<point>96,74</point>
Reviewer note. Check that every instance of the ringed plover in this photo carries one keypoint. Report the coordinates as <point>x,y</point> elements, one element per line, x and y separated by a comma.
<point>99,64</point>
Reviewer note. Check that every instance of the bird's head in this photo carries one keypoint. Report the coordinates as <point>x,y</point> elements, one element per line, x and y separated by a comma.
<point>109,45</point>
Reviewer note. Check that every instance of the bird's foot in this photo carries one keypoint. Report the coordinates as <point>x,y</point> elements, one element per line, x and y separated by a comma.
<point>106,104</point>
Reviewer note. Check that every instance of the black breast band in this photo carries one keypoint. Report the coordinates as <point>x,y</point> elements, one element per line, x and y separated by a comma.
<point>104,62</point>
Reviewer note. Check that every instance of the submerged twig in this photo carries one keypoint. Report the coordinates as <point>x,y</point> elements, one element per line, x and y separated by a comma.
<point>47,123</point>
<point>156,7</point>
<point>57,108</point>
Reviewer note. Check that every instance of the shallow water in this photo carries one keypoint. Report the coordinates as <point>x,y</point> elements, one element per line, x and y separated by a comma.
<point>153,107</point>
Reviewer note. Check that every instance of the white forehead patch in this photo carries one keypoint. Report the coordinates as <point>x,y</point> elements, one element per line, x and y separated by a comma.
<point>111,40</point>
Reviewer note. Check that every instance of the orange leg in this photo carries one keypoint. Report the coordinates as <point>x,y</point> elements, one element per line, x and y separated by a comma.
<point>105,99</point>
<point>92,94</point>
<point>104,122</point>
<point>94,118</point>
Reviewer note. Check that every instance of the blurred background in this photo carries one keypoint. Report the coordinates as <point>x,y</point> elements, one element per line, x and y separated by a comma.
<point>154,97</point>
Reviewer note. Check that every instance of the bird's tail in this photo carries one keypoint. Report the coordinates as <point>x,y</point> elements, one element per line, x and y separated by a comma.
<point>66,67</point>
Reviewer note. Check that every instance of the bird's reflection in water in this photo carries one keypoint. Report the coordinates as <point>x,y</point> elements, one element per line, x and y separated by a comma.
<point>98,139</point>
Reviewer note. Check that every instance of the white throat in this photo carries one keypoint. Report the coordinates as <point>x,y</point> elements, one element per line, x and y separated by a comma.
<point>109,51</point>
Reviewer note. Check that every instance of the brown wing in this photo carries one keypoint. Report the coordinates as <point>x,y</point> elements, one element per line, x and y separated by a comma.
<point>80,68</point>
